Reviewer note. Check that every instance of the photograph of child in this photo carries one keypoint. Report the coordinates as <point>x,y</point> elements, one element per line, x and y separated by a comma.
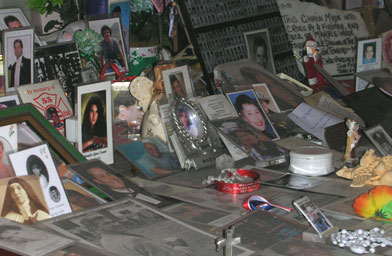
<point>250,110</point>
<point>151,156</point>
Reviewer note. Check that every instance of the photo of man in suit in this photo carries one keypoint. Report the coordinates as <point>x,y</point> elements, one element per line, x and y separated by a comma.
<point>20,71</point>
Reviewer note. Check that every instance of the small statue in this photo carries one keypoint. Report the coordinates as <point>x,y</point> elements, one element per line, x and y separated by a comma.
<point>372,170</point>
<point>353,137</point>
<point>312,56</point>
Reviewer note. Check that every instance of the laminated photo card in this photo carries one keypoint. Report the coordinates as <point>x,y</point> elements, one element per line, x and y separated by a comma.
<point>38,161</point>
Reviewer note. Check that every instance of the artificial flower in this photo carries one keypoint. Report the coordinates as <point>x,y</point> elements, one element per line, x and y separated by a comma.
<point>376,203</point>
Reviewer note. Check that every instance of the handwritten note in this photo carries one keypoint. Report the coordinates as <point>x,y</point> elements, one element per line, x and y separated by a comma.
<point>335,32</point>
<point>313,120</point>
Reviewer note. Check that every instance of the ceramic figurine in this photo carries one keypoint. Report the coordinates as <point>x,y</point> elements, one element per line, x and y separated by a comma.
<point>353,137</point>
<point>312,56</point>
<point>372,170</point>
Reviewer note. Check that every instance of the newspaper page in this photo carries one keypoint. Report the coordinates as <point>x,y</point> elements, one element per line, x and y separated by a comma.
<point>127,227</point>
<point>26,240</point>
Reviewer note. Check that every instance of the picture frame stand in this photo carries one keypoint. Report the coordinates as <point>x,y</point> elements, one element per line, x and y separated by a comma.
<point>197,142</point>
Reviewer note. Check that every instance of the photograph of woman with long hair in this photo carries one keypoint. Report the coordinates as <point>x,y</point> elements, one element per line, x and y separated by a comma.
<point>21,203</point>
<point>94,135</point>
<point>185,120</point>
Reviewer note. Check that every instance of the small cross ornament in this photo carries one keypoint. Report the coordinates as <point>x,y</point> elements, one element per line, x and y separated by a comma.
<point>227,241</point>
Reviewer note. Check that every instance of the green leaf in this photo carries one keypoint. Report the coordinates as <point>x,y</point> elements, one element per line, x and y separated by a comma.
<point>387,210</point>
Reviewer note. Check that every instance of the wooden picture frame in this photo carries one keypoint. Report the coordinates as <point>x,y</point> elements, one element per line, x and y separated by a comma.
<point>259,40</point>
<point>95,140</point>
<point>18,42</point>
<point>380,139</point>
<point>27,113</point>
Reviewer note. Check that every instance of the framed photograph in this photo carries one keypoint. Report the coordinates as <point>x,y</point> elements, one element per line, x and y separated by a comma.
<point>177,82</point>
<point>259,48</point>
<point>13,210</point>
<point>94,111</point>
<point>26,240</point>
<point>8,145</point>
<point>61,62</point>
<point>369,54</point>
<point>15,18</point>
<point>122,9</point>
<point>9,101</point>
<point>113,49</point>
<point>313,215</point>
<point>49,98</point>
<point>127,114</point>
<point>80,197</point>
<point>368,58</point>
<point>251,111</point>
<point>36,126</point>
<point>380,139</point>
<point>18,50</point>
<point>151,156</point>
<point>265,98</point>
<point>38,161</point>
<point>109,182</point>
<point>251,141</point>
<point>194,139</point>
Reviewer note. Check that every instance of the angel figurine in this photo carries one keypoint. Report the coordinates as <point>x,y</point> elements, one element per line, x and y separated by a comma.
<point>353,137</point>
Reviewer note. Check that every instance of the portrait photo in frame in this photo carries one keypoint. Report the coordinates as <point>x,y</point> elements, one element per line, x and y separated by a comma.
<point>195,141</point>
<point>368,58</point>
<point>18,44</point>
<point>151,156</point>
<point>38,161</point>
<point>94,111</point>
<point>258,46</point>
<point>15,18</point>
<point>265,98</point>
<point>314,216</point>
<point>177,82</point>
<point>113,48</point>
<point>251,111</point>
<point>9,101</point>
<point>380,139</point>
